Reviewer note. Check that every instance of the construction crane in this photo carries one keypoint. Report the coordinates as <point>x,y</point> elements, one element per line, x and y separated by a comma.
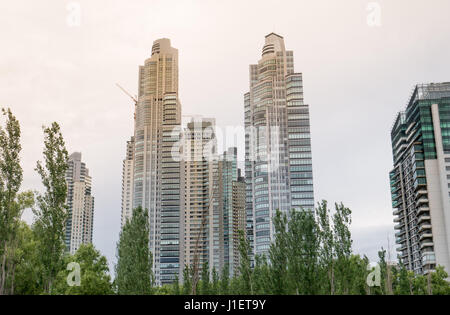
<point>126,92</point>
<point>134,98</point>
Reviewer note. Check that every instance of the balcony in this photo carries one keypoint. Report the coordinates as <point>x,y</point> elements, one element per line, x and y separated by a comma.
<point>425,226</point>
<point>423,209</point>
<point>426,244</point>
<point>428,258</point>
<point>422,191</point>
<point>398,226</point>
<point>425,235</point>
<point>423,218</point>
<point>422,200</point>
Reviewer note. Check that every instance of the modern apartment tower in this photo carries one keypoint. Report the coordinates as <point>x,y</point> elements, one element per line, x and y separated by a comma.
<point>278,163</point>
<point>198,164</point>
<point>229,212</point>
<point>157,111</point>
<point>420,180</point>
<point>127,182</point>
<point>79,225</point>
<point>239,220</point>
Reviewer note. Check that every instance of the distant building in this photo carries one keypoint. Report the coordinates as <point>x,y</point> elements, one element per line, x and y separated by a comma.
<point>127,183</point>
<point>79,225</point>
<point>420,180</point>
<point>229,212</point>
<point>239,221</point>
<point>199,155</point>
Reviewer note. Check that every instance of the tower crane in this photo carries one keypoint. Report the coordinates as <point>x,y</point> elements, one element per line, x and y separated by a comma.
<point>134,98</point>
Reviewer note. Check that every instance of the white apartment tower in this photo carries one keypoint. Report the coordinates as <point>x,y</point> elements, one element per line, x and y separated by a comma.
<point>79,225</point>
<point>127,183</point>
<point>199,157</point>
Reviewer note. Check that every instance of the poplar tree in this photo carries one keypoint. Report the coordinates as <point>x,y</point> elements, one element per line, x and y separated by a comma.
<point>51,212</point>
<point>134,260</point>
<point>12,203</point>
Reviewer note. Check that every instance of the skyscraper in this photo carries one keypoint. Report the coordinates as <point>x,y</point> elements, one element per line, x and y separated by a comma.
<point>172,192</point>
<point>79,225</point>
<point>239,220</point>
<point>278,162</point>
<point>420,180</point>
<point>198,163</point>
<point>229,211</point>
<point>127,182</point>
<point>157,110</point>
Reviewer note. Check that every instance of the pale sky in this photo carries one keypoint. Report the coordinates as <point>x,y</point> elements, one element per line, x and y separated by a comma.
<point>358,74</point>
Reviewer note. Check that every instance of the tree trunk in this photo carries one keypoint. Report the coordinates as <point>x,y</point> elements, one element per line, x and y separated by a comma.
<point>12,279</point>
<point>3,274</point>
<point>332,279</point>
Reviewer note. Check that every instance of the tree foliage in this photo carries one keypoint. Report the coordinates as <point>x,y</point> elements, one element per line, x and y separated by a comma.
<point>134,259</point>
<point>94,274</point>
<point>12,203</point>
<point>51,211</point>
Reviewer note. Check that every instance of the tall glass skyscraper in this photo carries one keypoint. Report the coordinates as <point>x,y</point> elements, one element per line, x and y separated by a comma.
<point>155,182</point>
<point>278,162</point>
<point>420,180</point>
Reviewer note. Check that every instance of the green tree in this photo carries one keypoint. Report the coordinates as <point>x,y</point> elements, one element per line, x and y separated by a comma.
<point>326,257</point>
<point>134,260</point>
<point>176,286</point>
<point>404,281</point>
<point>439,284</point>
<point>245,269</point>
<point>303,245</point>
<point>278,256</point>
<point>225,280</point>
<point>51,213</point>
<point>94,274</point>
<point>215,282</point>
<point>205,285</point>
<point>261,276</point>
<point>187,280</point>
<point>12,203</point>
<point>342,247</point>
<point>28,269</point>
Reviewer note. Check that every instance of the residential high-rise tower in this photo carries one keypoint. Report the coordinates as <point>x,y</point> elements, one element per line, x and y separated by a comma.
<point>79,225</point>
<point>157,112</point>
<point>278,162</point>
<point>420,180</point>
<point>127,182</point>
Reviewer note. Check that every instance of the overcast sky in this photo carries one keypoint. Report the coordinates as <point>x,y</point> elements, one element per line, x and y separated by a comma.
<point>359,68</point>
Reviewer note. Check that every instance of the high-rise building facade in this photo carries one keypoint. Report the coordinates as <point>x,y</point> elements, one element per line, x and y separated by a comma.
<point>157,111</point>
<point>278,161</point>
<point>79,225</point>
<point>420,180</point>
<point>127,182</point>
<point>239,220</point>
<point>198,164</point>
<point>172,192</point>
<point>227,212</point>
